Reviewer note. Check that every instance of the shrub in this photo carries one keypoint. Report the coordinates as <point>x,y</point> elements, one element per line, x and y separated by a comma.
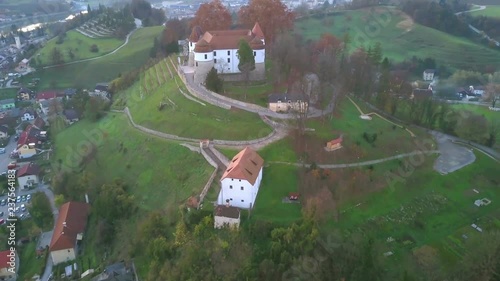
<point>94,48</point>
<point>213,82</point>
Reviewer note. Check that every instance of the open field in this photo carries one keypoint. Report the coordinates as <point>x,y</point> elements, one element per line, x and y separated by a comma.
<point>478,109</point>
<point>399,36</point>
<point>197,121</point>
<point>492,11</point>
<point>427,208</point>
<point>86,74</point>
<point>79,45</point>
<point>256,94</point>
<point>158,173</point>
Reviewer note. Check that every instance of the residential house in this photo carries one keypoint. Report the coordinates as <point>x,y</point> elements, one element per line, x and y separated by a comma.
<point>219,49</point>
<point>116,272</point>
<point>29,139</point>
<point>27,175</point>
<point>7,104</point>
<point>24,64</point>
<point>68,93</point>
<point>478,90</point>
<point>71,116</point>
<point>428,74</point>
<point>334,144</point>
<point>241,181</point>
<point>101,87</point>
<point>226,216</point>
<point>47,95</point>
<point>4,132</point>
<point>25,94</point>
<point>39,123</point>
<point>419,94</point>
<point>44,106</point>
<point>68,231</point>
<point>9,264</point>
<point>287,102</point>
<point>28,114</point>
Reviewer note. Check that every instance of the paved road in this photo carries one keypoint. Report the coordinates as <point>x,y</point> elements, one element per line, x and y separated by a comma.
<point>95,58</point>
<point>481,7</point>
<point>50,195</point>
<point>453,157</point>
<point>359,164</point>
<point>4,158</point>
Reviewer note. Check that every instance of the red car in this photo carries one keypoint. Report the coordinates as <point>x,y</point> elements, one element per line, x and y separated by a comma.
<point>12,165</point>
<point>2,221</point>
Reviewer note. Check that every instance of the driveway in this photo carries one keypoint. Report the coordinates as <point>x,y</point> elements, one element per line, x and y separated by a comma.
<point>452,156</point>
<point>4,158</point>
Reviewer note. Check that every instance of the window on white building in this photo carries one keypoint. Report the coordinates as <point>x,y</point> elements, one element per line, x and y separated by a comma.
<point>242,200</point>
<point>215,60</point>
<point>196,63</point>
<point>242,188</point>
<point>205,56</point>
<point>228,60</point>
<point>254,54</point>
<point>215,53</point>
<point>231,199</point>
<point>228,53</point>
<point>230,187</point>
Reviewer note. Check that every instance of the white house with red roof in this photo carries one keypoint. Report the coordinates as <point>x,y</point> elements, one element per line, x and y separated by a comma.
<point>219,49</point>
<point>27,175</point>
<point>68,231</point>
<point>9,264</point>
<point>27,142</point>
<point>241,181</point>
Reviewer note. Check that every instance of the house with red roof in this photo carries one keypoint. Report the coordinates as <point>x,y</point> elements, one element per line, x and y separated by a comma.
<point>9,264</point>
<point>27,142</point>
<point>47,95</point>
<point>241,181</point>
<point>334,144</point>
<point>27,175</point>
<point>68,231</point>
<point>219,49</point>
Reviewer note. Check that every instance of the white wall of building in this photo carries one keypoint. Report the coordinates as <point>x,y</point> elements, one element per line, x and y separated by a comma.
<point>203,56</point>
<point>191,46</point>
<point>220,222</point>
<point>259,55</point>
<point>61,256</point>
<point>240,193</point>
<point>27,181</point>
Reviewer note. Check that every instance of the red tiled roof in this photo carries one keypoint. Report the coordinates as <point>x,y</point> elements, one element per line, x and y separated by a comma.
<point>256,44</point>
<point>28,170</point>
<point>196,33</point>
<point>46,95</point>
<point>258,31</point>
<point>4,259</point>
<point>39,123</point>
<point>335,141</point>
<point>74,214</point>
<point>202,47</point>
<point>245,165</point>
<point>227,211</point>
<point>27,136</point>
<point>228,39</point>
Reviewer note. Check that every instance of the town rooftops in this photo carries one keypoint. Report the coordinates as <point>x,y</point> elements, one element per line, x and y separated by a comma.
<point>245,165</point>
<point>71,221</point>
<point>30,169</point>
<point>196,33</point>
<point>103,87</point>
<point>116,272</point>
<point>25,61</point>
<point>47,95</point>
<point>4,259</point>
<point>39,123</point>
<point>69,91</point>
<point>335,141</point>
<point>71,114</point>
<point>430,71</point>
<point>227,211</point>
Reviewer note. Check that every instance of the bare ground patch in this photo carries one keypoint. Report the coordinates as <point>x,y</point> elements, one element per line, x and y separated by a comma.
<point>406,24</point>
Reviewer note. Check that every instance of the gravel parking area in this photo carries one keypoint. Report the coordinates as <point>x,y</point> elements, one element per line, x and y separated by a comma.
<point>452,156</point>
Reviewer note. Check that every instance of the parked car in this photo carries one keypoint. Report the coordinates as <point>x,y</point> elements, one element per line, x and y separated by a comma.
<point>3,202</point>
<point>2,150</point>
<point>2,221</point>
<point>23,198</point>
<point>23,207</point>
<point>12,165</point>
<point>28,197</point>
<point>1,214</point>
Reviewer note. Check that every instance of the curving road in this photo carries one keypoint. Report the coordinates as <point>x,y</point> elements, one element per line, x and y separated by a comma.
<point>96,58</point>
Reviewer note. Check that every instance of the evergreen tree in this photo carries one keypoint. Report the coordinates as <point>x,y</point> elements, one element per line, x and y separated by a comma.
<point>213,82</point>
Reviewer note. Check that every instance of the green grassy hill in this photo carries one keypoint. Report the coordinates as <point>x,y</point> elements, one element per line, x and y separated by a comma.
<point>86,74</point>
<point>79,44</point>
<point>492,11</point>
<point>399,36</point>
<point>183,117</point>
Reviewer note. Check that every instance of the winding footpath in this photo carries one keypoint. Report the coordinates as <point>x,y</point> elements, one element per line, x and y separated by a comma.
<point>479,8</point>
<point>95,58</point>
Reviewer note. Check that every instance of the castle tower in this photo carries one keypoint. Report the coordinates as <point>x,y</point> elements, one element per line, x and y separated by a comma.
<point>203,60</point>
<point>196,33</point>
<point>259,53</point>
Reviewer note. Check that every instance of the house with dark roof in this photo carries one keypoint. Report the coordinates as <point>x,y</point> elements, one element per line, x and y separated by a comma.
<point>27,175</point>
<point>4,132</point>
<point>101,87</point>
<point>286,102</point>
<point>219,49</point>
<point>241,180</point>
<point>28,114</point>
<point>9,264</point>
<point>25,94</point>
<point>116,272</point>
<point>68,231</point>
<point>226,216</point>
<point>69,93</point>
<point>71,116</point>
<point>39,123</point>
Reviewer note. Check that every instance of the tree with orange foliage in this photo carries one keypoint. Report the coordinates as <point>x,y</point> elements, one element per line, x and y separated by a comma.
<point>212,16</point>
<point>272,15</point>
<point>328,42</point>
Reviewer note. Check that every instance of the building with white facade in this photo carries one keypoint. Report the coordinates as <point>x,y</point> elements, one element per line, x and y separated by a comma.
<point>219,49</point>
<point>226,216</point>
<point>428,74</point>
<point>241,181</point>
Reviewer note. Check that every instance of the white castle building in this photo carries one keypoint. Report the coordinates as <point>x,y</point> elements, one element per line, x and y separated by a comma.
<point>219,49</point>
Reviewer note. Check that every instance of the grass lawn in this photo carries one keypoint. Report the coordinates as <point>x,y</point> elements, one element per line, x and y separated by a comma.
<point>478,109</point>
<point>427,208</point>
<point>186,118</point>
<point>29,264</point>
<point>256,94</point>
<point>399,36</point>
<point>79,44</point>
<point>9,93</point>
<point>86,74</point>
<point>492,11</point>
<point>158,173</point>
<point>277,182</point>
<point>279,151</point>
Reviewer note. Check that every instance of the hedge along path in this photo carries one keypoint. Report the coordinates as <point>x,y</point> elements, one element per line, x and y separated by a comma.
<point>383,118</point>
